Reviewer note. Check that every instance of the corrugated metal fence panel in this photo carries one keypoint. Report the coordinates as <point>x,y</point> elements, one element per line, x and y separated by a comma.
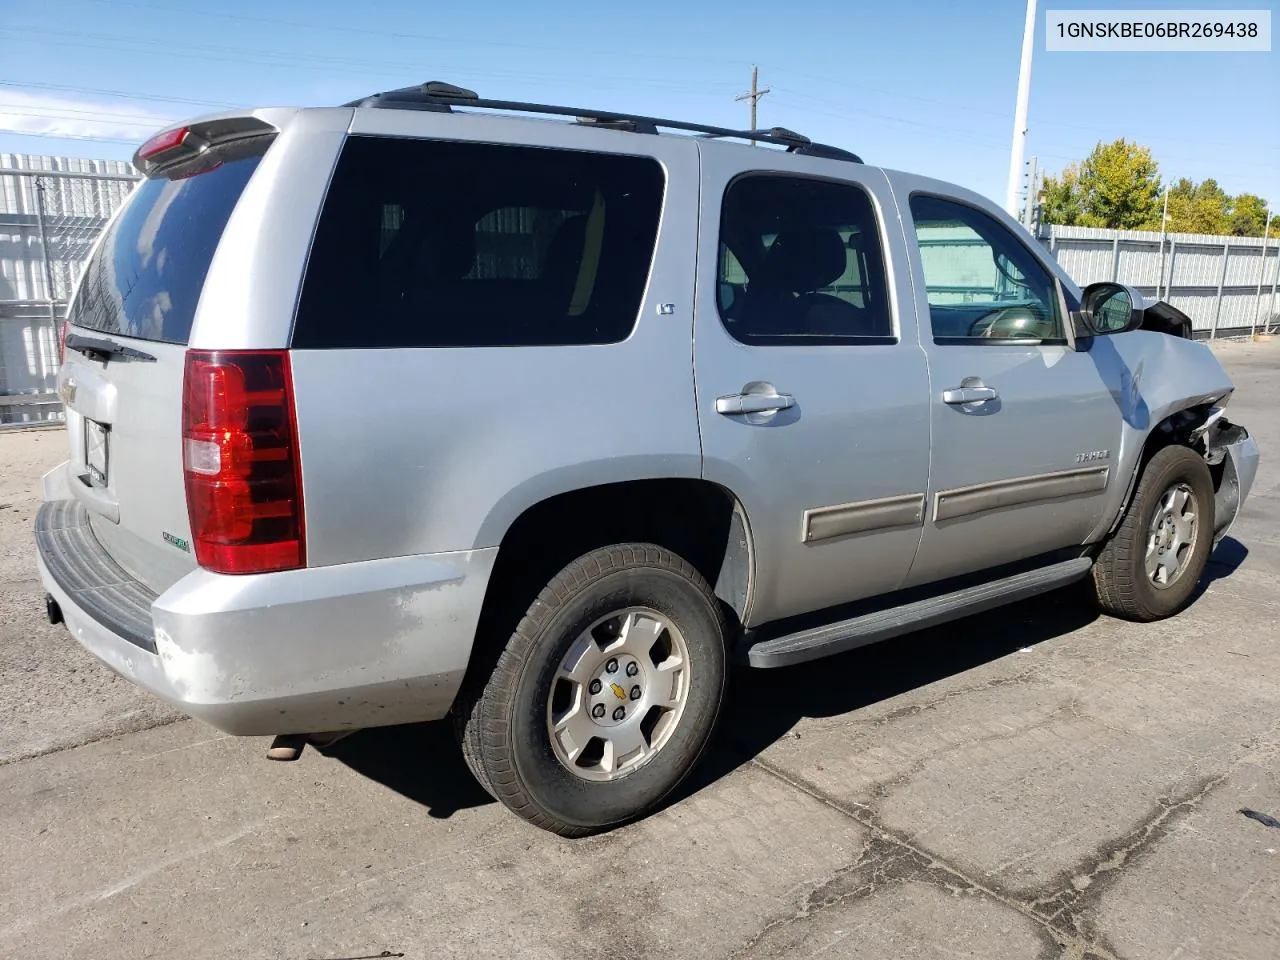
<point>1198,265</point>
<point>1188,274</point>
<point>1243,265</point>
<point>74,210</point>
<point>1141,261</point>
<point>1087,261</point>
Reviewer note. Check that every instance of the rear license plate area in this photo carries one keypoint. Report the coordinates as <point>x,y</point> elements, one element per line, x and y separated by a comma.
<point>96,440</point>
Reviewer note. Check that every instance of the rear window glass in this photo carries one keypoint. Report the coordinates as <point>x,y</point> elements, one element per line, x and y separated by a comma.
<point>443,244</point>
<point>145,278</point>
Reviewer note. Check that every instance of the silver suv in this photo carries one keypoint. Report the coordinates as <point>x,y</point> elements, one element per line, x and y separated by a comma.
<point>432,405</point>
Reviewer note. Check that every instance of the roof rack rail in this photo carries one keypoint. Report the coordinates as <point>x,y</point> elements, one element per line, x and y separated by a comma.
<point>440,97</point>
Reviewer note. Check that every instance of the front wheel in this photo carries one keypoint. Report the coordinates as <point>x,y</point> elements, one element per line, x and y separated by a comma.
<point>606,694</point>
<point>1151,564</point>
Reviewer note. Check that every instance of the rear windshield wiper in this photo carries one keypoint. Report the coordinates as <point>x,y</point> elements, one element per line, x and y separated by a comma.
<point>100,349</point>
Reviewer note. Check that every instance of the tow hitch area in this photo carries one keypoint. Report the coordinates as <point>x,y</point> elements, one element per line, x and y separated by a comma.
<point>288,746</point>
<point>52,610</point>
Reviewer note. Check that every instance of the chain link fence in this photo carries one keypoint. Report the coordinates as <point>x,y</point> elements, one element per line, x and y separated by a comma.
<point>52,209</point>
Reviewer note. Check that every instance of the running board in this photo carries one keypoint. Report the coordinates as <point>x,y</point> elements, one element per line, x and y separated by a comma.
<point>881,625</point>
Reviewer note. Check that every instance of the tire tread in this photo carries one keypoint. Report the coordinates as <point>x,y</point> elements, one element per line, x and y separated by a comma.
<point>1121,561</point>
<point>482,715</point>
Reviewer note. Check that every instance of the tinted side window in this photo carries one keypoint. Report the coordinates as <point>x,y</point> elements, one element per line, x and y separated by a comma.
<point>445,244</point>
<point>983,284</point>
<point>801,262</point>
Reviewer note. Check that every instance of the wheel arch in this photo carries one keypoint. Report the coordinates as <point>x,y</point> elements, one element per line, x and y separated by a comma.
<point>1185,425</point>
<point>703,522</point>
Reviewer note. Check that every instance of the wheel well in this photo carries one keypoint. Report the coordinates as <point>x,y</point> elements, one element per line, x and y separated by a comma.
<point>1177,428</point>
<point>696,519</point>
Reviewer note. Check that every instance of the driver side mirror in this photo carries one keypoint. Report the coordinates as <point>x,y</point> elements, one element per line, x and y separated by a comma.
<point>1108,308</point>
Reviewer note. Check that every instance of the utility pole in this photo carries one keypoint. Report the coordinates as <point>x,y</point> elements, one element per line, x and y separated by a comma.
<point>1164,230</point>
<point>1033,191</point>
<point>1020,111</point>
<point>1262,272</point>
<point>754,96</point>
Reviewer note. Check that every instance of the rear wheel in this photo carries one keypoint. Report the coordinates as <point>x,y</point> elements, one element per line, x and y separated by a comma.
<point>1152,563</point>
<point>605,696</point>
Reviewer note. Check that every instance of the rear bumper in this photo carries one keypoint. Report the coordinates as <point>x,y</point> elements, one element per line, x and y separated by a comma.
<point>318,649</point>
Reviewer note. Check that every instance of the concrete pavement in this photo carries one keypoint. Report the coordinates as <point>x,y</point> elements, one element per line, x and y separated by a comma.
<point>1033,782</point>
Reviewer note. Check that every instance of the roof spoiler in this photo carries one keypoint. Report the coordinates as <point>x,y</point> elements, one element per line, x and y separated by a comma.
<point>192,141</point>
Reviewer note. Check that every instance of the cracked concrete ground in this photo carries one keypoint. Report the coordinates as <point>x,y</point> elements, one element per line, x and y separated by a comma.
<point>1037,782</point>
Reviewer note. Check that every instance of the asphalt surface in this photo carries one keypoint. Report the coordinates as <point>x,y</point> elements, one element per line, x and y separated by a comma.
<point>1037,782</point>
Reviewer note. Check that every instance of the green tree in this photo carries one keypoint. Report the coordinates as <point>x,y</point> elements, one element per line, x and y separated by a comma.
<point>1060,197</point>
<point>1117,185</point>
<point>1120,186</point>
<point>1248,217</point>
<point>1198,207</point>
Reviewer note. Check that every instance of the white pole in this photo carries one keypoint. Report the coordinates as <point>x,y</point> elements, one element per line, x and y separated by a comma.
<point>1262,272</point>
<point>1164,229</point>
<point>1020,112</point>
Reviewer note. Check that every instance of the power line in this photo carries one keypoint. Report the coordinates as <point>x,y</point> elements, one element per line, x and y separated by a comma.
<point>98,91</point>
<point>69,136</point>
<point>86,116</point>
<point>226,54</point>
<point>345,28</point>
<point>1003,115</point>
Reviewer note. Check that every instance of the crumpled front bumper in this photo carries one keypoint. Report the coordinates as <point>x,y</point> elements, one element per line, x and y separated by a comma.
<point>1231,449</point>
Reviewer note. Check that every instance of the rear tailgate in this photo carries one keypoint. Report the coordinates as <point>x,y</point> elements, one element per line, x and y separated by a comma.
<point>127,333</point>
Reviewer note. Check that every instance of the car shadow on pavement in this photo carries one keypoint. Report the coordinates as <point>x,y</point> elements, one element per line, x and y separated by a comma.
<point>1226,558</point>
<point>765,705</point>
<point>422,761</point>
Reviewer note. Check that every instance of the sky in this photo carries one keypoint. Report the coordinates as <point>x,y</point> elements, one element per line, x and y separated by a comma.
<point>921,85</point>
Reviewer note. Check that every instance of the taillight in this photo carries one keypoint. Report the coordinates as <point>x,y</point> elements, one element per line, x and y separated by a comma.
<point>240,458</point>
<point>62,342</point>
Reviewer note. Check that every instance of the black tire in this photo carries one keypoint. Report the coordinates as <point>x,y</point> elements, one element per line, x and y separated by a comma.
<point>1121,583</point>
<point>502,724</point>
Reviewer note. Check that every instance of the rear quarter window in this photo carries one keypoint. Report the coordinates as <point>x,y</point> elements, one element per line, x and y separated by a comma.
<point>446,244</point>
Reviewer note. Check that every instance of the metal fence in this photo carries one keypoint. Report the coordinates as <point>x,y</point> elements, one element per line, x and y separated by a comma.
<point>53,208</point>
<point>51,211</point>
<point>1226,285</point>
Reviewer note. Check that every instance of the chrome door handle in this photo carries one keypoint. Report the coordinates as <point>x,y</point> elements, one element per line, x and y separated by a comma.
<point>754,403</point>
<point>958,395</point>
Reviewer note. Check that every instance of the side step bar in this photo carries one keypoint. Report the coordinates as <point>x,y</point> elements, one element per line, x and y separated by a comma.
<point>859,631</point>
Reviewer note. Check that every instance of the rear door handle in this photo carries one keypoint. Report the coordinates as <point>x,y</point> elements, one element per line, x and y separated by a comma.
<point>754,403</point>
<point>959,395</point>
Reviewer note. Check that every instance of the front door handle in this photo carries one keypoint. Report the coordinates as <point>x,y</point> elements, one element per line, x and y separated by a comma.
<point>961,395</point>
<point>740,403</point>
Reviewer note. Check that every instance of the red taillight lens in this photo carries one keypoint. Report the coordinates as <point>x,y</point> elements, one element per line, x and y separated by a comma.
<point>240,458</point>
<point>162,142</point>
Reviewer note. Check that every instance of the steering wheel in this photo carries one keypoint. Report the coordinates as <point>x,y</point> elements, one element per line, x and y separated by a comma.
<point>1009,323</point>
<point>980,326</point>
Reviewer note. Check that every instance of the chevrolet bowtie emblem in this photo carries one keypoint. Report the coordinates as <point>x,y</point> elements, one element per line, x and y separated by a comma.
<point>618,691</point>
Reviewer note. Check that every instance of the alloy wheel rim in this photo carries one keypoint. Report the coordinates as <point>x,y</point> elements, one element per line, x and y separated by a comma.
<point>1171,535</point>
<point>618,694</point>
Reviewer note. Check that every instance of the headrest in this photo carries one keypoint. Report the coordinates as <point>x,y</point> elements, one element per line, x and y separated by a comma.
<point>448,252</point>
<point>806,258</point>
